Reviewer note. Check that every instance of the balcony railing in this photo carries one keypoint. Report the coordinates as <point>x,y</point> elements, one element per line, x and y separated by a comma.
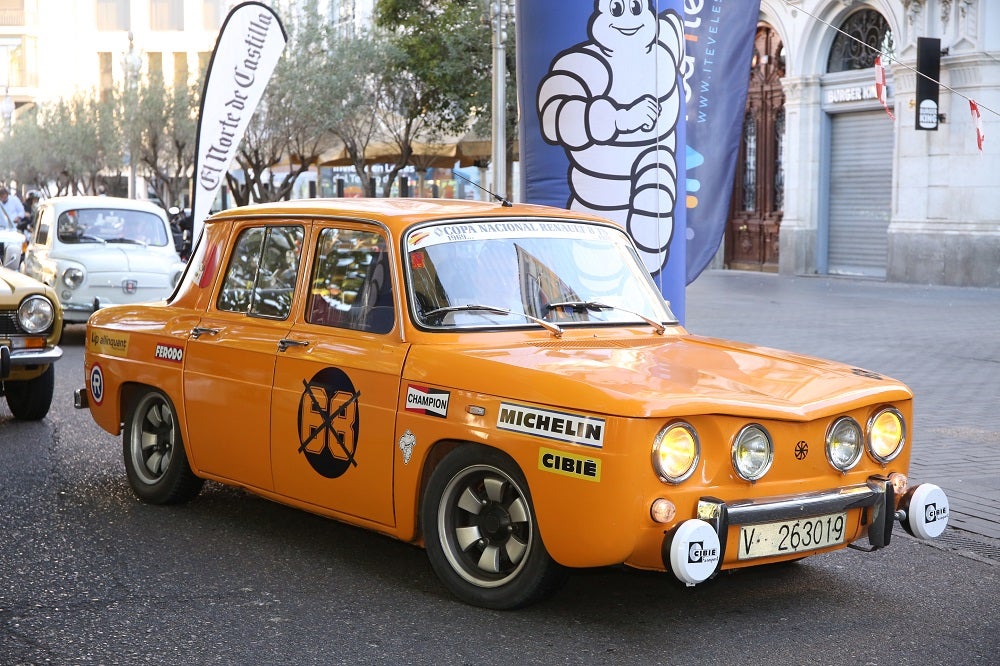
<point>12,17</point>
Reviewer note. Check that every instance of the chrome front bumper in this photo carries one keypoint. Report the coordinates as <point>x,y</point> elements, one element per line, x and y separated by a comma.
<point>27,357</point>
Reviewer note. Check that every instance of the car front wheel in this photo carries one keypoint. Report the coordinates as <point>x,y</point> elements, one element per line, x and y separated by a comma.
<point>30,400</point>
<point>155,461</point>
<point>481,534</point>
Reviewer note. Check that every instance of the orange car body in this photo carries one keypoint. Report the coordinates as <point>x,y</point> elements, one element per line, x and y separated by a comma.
<point>351,423</point>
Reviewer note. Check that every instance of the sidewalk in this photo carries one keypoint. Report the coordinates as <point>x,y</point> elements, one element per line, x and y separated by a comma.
<point>944,342</point>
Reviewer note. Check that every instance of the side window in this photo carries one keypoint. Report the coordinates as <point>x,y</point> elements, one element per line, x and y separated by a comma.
<point>352,282</point>
<point>260,278</point>
<point>44,221</point>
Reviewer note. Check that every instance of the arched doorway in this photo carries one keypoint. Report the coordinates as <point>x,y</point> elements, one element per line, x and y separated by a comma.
<point>759,189</point>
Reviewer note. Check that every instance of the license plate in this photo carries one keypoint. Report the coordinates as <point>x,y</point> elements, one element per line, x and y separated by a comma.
<point>792,536</point>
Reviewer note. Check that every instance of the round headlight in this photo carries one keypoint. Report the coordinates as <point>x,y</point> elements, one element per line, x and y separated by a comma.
<point>753,452</point>
<point>36,314</point>
<point>886,434</point>
<point>843,443</point>
<point>675,452</point>
<point>73,277</point>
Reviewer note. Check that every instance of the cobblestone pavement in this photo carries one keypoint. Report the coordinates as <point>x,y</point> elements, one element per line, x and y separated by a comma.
<point>944,342</point>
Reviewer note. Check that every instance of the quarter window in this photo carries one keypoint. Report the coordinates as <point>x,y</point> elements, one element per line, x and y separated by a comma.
<point>263,268</point>
<point>352,282</point>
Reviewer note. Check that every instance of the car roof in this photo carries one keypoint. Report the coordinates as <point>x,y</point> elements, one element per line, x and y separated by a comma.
<point>70,202</point>
<point>396,213</point>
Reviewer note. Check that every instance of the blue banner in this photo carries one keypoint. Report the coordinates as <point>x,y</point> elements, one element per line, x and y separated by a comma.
<point>719,39</point>
<point>602,120</point>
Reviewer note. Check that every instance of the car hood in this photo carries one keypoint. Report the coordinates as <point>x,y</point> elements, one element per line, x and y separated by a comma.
<point>120,258</point>
<point>12,282</point>
<point>655,376</point>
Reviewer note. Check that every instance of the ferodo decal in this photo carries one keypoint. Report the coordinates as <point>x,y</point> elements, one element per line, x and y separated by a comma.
<point>569,464</point>
<point>97,384</point>
<point>166,352</point>
<point>329,421</point>
<point>108,343</point>
<point>572,428</point>
<point>423,400</point>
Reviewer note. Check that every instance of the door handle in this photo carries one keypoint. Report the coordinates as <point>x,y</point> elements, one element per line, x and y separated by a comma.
<point>285,343</point>
<point>198,331</point>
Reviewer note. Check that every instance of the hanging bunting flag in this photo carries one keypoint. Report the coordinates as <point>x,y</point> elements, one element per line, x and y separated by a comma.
<point>880,85</point>
<point>977,120</point>
<point>249,45</point>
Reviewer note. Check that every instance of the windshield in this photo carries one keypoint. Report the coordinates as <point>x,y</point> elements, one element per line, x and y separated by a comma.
<point>504,273</point>
<point>111,225</point>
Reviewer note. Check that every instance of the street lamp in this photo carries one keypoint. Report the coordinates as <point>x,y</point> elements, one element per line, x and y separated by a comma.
<point>499,11</point>
<point>7,110</point>
<point>131,64</point>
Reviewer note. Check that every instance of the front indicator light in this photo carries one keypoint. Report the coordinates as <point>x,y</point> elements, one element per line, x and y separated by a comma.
<point>753,452</point>
<point>886,434</point>
<point>676,452</point>
<point>843,443</point>
<point>663,511</point>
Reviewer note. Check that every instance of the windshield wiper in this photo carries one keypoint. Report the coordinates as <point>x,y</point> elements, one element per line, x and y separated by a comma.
<point>596,306</point>
<point>472,307</point>
<point>130,241</point>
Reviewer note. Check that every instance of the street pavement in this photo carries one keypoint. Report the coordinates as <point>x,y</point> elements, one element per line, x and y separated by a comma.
<point>944,342</point>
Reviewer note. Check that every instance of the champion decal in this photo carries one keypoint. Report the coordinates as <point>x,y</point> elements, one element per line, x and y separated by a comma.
<point>562,426</point>
<point>423,400</point>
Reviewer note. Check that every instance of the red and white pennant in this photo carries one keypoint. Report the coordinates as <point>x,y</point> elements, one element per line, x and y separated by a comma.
<point>880,85</point>
<point>977,120</point>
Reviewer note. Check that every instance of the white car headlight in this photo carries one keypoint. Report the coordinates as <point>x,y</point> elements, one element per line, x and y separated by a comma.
<point>73,277</point>
<point>36,314</point>
<point>886,434</point>
<point>753,452</point>
<point>676,451</point>
<point>843,443</point>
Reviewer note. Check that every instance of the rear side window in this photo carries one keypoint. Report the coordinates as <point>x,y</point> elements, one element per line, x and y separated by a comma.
<point>260,278</point>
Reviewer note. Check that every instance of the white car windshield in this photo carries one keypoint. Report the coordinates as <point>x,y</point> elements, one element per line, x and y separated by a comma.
<point>111,225</point>
<point>502,273</point>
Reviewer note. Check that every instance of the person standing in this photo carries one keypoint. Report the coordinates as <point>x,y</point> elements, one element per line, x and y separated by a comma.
<point>11,208</point>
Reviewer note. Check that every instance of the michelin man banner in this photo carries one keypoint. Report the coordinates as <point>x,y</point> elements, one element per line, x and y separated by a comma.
<point>246,52</point>
<point>603,86</point>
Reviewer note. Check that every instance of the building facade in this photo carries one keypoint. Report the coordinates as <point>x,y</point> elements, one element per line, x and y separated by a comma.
<point>828,183</point>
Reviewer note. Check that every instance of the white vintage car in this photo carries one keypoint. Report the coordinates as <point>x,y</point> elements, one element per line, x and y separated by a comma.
<point>99,251</point>
<point>11,245</point>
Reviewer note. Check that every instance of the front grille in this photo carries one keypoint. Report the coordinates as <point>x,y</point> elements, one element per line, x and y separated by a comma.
<point>9,324</point>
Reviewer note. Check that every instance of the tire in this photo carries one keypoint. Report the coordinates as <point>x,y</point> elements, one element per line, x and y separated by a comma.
<point>481,534</point>
<point>155,461</point>
<point>30,400</point>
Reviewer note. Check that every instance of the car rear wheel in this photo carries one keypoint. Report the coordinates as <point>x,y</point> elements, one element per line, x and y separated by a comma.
<point>30,400</point>
<point>481,534</point>
<point>155,461</point>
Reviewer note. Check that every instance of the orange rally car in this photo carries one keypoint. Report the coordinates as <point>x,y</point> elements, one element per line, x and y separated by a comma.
<point>502,385</point>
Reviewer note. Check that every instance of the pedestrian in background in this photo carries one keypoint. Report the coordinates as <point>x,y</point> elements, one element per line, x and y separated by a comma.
<point>30,211</point>
<point>11,208</point>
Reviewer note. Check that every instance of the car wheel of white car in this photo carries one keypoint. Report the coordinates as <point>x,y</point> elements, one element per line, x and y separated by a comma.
<point>155,460</point>
<point>30,400</point>
<point>480,531</point>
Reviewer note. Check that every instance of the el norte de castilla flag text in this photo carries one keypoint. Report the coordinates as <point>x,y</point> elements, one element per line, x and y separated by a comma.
<point>248,48</point>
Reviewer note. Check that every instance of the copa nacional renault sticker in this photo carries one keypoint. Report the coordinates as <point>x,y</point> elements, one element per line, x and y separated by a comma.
<point>569,464</point>
<point>428,401</point>
<point>562,426</point>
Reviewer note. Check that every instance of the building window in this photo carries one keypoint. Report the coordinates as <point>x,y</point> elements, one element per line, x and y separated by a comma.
<point>106,81</point>
<point>166,14</point>
<point>749,202</point>
<point>211,15</point>
<point>155,66</point>
<point>113,15</point>
<point>180,69</point>
<point>862,36</point>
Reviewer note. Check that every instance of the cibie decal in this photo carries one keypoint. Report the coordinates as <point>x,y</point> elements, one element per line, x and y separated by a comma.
<point>573,428</point>
<point>406,444</point>
<point>97,384</point>
<point>329,421</point>
<point>169,353</point>
<point>423,400</point>
<point>568,464</point>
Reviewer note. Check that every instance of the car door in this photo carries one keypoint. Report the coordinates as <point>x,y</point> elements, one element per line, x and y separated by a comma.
<point>336,384</point>
<point>229,360</point>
